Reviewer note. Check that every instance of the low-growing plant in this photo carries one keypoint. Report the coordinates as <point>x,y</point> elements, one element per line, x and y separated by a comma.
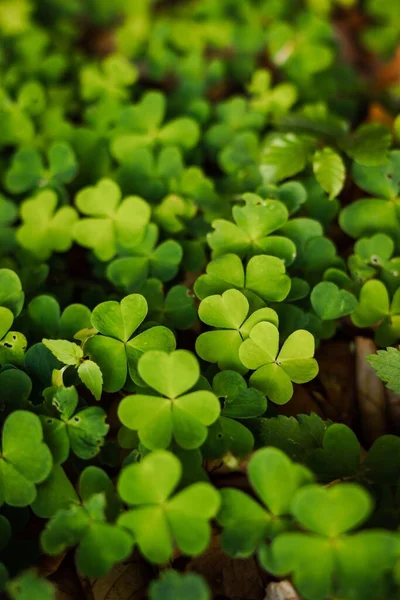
<point>199,256</point>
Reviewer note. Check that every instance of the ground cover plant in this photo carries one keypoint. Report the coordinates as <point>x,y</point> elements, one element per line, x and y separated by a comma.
<point>199,299</point>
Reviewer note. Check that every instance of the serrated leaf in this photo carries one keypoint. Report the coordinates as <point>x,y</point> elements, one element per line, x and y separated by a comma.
<point>387,366</point>
<point>66,352</point>
<point>330,171</point>
<point>90,374</point>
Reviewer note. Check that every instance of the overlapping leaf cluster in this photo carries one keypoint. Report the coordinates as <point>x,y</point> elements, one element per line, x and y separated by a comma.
<point>172,181</point>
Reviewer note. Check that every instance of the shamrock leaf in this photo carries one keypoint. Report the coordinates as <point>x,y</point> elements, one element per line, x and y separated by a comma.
<point>331,303</point>
<point>101,544</point>
<point>114,349</point>
<point>83,432</point>
<point>382,464</point>
<point>228,312</point>
<point>239,401</point>
<point>233,115</point>
<point>246,523</point>
<point>8,216</point>
<point>274,370</point>
<point>177,415</point>
<point>179,586</point>
<point>375,250</point>
<point>12,343</point>
<point>176,309</point>
<point>109,79</point>
<point>146,260</point>
<point>320,568</point>
<point>227,437</point>
<point>15,389</point>
<point>25,459</point>
<point>27,171</point>
<point>339,456</point>
<point>319,560</point>
<point>47,320</point>
<point>54,494</point>
<point>11,293</point>
<point>248,235</point>
<point>265,279</point>
<point>381,181</point>
<point>141,125</point>
<point>46,229</point>
<point>355,219</point>
<point>182,520</point>
<point>373,257</point>
<point>110,222</point>
<point>375,308</point>
<point>29,586</point>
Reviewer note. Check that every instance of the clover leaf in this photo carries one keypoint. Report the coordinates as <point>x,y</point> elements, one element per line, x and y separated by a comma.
<point>329,302</point>
<point>375,308</point>
<point>233,115</point>
<point>8,216</point>
<point>229,313</point>
<point>45,228</point>
<point>239,401</point>
<point>355,219</point>
<point>27,171</point>
<point>151,173</point>
<point>182,520</point>
<point>11,292</point>
<point>101,544</point>
<point>12,343</point>
<point>175,309</point>
<point>109,79</point>
<point>265,279</point>
<point>83,432</point>
<point>25,461</point>
<point>142,125</point>
<point>146,260</point>
<point>382,464</point>
<point>246,523</point>
<point>47,320</point>
<point>179,586</point>
<point>115,348</point>
<point>320,569</point>
<point>55,493</point>
<point>108,221</point>
<point>29,586</point>
<point>373,257</point>
<point>381,181</point>
<point>15,389</point>
<point>275,371</point>
<point>176,414</point>
<point>338,456</point>
<point>228,435</point>
<point>249,234</point>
